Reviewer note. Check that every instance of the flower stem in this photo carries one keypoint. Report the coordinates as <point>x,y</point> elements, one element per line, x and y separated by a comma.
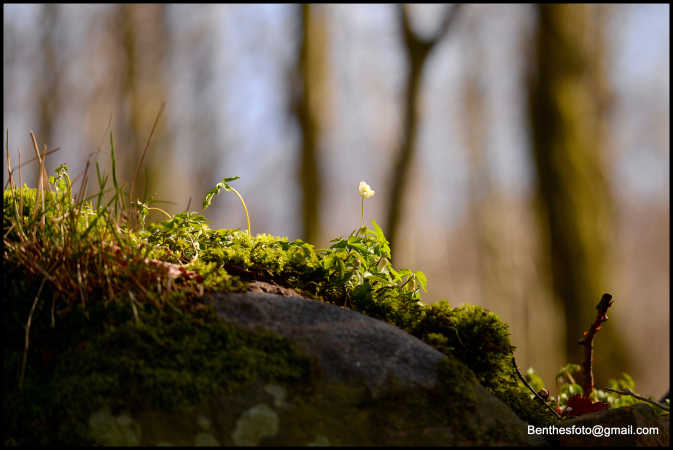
<point>245,208</point>
<point>160,210</point>
<point>363,212</point>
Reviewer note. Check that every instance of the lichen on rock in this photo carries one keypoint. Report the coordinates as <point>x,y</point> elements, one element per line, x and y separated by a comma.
<point>255,424</point>
<point>113,430</point>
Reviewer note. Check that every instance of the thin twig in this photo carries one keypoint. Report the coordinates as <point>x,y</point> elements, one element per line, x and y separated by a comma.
<point>533,390</point>
<point>19,217</point>
<point>587,342</point>
<point>10,172</point>
<point>27,341</point>
<point>639,397</point>
<point>42,177</point>
<point>147,145</point>
<point>31,160</point>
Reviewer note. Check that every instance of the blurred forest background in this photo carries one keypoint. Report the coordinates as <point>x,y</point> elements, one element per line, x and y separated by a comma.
<point>519,153</point>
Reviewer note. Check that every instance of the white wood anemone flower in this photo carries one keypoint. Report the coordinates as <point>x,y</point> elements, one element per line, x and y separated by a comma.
<point>366,191</point>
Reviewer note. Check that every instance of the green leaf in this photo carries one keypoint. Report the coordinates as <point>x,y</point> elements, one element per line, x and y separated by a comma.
<point>574,389</point>
<point>222,185</point>
<point>423,281</point>
<point>379,233</point>
<point>628,381</point>
<point>359,247</point>
<point>339,244</point>
<point>375,277</point>
<point>341,267</point>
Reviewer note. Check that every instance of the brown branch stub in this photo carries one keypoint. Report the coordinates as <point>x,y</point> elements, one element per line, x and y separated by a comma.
<point>587,342</point>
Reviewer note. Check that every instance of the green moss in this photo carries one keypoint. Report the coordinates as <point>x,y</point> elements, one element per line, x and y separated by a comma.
<point>480,339</point>
<point>473,334</point>
<point>454,378</point>
<point>168,348</point>
<point>168,361</point>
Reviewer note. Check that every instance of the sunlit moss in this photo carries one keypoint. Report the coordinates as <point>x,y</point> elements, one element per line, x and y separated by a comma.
<point>133,300</point>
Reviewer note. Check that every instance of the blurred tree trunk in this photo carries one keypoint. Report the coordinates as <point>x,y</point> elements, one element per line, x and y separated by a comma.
<point>144,39</point>
<point>307,104</point>
<point>416,51</point>
<point>568,99</point>
<point>204,120</point>
<point>128,107</point>
<point>482,210</point>
<point>50,86</point>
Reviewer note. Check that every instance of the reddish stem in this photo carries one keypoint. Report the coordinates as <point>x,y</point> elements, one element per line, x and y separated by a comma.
<point>587,342</point>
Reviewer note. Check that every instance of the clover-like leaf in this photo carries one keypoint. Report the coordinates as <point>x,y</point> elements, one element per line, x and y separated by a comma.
<point>222,185</point>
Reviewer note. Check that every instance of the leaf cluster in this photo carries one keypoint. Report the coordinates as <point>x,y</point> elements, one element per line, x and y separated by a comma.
<point>222,185</point>
<point>568,387</point>
<point>359,270</point>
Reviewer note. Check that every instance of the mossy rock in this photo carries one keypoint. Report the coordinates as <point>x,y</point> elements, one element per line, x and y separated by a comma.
<point>254,368</point>
<point>126,349</point>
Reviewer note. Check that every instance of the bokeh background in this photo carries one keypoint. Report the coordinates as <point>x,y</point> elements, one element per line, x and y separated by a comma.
<point>519,153</point>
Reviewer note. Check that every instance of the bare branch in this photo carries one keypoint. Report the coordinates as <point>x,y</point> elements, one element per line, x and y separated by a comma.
<point>533,390</point>
<point>639,397</point>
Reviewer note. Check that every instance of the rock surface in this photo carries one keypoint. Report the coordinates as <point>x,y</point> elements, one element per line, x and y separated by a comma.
<point>619,428</point>
<point>370,384</point>
<point>350,346</point>
<point>353,351</point>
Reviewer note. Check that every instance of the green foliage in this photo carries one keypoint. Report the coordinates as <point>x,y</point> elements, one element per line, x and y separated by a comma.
<point>534,380</point>
<point>176,239</point>
<point>103,261</point>
<point>222,185</point>
<point>473,334</point>
<point>567,387</point>
<point>359,269</point>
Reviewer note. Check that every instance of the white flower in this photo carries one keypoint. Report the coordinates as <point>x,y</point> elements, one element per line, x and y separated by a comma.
<point>365,190</point>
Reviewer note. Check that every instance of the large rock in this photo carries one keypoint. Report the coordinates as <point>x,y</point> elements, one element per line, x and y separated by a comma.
<point>373,385</point>
<point>348,345</point>
<point>364,382</point>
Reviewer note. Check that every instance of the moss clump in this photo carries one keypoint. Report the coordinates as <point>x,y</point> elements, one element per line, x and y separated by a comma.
<point>480,339</point>
<point>159,360</point>
<point>473,334</point>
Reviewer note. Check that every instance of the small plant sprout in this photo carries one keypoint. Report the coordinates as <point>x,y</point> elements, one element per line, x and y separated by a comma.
<point>224,185</point>
<point>365,192</point>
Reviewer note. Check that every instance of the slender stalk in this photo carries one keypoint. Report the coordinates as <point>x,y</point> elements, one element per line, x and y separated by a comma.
<point>245,208</point>
<point>142,155</point>
<point>160,210</point>
<point>363,212</point>
<point>42,176</point>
